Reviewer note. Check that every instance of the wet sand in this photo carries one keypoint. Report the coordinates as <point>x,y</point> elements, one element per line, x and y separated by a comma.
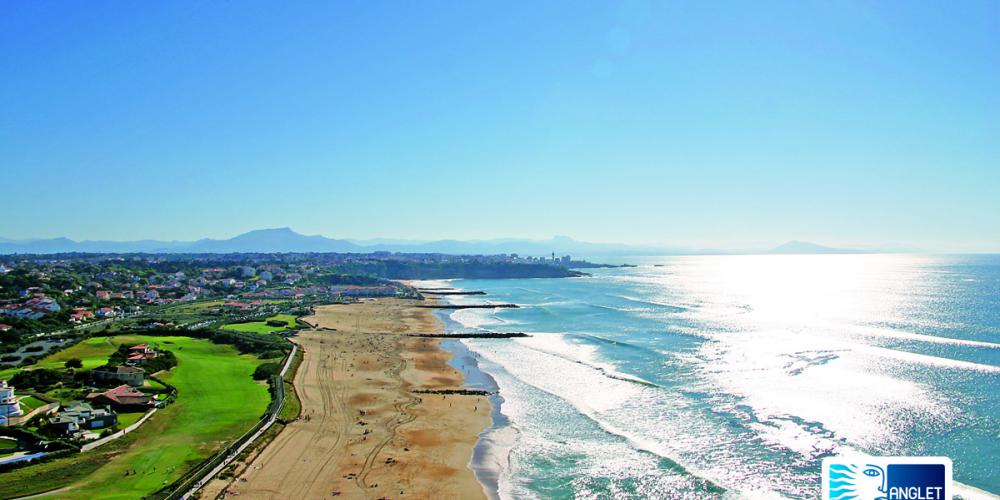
<point>363,432</point>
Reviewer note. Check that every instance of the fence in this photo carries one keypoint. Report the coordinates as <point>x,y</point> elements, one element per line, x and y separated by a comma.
<point>194,480</point>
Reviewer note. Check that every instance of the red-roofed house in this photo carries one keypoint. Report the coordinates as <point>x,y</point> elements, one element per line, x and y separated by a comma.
<point>139,353</point>
<point>81,315</point>
<point>122,397</point>
<point>4,328</point>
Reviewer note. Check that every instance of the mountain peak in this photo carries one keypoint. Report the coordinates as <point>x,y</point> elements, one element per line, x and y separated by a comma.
<point>274,231</point>
<point>806,247</point>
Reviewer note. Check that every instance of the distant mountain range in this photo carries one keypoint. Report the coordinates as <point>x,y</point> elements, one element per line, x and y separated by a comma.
<point>800,247</point>
<point>287,240</point>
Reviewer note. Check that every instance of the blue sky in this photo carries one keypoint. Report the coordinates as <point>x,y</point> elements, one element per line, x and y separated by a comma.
<point>725,124</point>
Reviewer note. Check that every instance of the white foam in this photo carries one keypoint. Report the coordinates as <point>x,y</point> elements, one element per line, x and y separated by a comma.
<point>587,354</point>
<point>475,318</point>
<point>649,419</point>
<point>431,283</point>
<point>531,415</point>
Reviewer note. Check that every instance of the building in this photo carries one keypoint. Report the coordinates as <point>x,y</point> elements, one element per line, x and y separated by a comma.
<point>9,406</point>
<point>43,304</point>
<point>131,375</point>
<point>363,291</point>
<point>80,416</point>
<point>137,354</point>
<point>106,312</point>
<point>5,327</point>
<point>122,397</point>
<point>80,315</point>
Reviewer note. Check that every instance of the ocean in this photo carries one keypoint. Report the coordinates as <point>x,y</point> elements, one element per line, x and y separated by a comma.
<point>733,376</point>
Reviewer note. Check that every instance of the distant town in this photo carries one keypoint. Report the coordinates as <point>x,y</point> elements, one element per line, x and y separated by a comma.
<point>60,297</point>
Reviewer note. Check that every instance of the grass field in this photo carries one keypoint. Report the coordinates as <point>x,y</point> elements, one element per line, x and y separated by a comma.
<point>8,445</point>
<point>31,402</point>
<point>217,401</point>
<point>193,308</point>
<point>262,326</point>
<point>127,419</point>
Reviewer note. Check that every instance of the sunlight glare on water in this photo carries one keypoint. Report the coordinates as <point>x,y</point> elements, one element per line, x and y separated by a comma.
<point>746,370</point>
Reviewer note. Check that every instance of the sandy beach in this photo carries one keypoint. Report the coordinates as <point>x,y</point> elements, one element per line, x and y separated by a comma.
<point>364,432</point>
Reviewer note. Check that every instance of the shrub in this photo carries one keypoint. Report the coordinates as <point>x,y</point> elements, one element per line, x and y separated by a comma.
<point>266,370</point>
<point>34,348</point>
<point>272,354</point>
<point>276,323</point>
<point>74,363</point>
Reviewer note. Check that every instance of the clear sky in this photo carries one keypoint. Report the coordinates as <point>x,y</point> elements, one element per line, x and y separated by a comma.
<point>722,124</point>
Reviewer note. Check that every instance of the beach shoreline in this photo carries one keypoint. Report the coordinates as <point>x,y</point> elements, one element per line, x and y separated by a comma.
<point>364,431</point>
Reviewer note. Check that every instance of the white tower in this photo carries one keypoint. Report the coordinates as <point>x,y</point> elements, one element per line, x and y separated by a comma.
<point>9,406</point>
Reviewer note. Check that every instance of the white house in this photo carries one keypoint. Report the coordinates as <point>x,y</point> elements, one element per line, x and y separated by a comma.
<point>9,407</point>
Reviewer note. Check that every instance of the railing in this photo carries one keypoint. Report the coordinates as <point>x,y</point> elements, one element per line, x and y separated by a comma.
<point>194,480</point>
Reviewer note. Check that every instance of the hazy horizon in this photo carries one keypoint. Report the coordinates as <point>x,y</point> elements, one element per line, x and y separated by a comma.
<point>668,247</point>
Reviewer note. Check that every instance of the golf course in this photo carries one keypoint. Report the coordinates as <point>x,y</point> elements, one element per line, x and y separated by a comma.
<point>217,401</point>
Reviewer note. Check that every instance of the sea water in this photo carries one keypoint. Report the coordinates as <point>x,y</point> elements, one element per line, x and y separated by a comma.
<point>725,376</point>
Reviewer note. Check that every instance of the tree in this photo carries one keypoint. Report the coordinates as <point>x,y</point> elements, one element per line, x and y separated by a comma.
<point>39,378</point>
<point>73,363</point>
<point>265,370</point>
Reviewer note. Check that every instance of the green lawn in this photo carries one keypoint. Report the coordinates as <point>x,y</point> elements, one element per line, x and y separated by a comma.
<point>217,402</point>
<point>31,402</point>
<point>287,318</point>
<point>193,308</point>
<point>127,419</point>
<point>8,445</point>
<point>262,326</point>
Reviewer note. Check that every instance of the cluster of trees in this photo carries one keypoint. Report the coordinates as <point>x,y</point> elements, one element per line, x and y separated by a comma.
<point>329,278</point>
<point>43,379</point>
<point>164,359</point>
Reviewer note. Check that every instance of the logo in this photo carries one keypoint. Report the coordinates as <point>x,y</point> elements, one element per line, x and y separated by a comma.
<point>887,478</point>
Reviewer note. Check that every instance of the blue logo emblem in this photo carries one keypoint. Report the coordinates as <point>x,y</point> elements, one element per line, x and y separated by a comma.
<point>886,478</point>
